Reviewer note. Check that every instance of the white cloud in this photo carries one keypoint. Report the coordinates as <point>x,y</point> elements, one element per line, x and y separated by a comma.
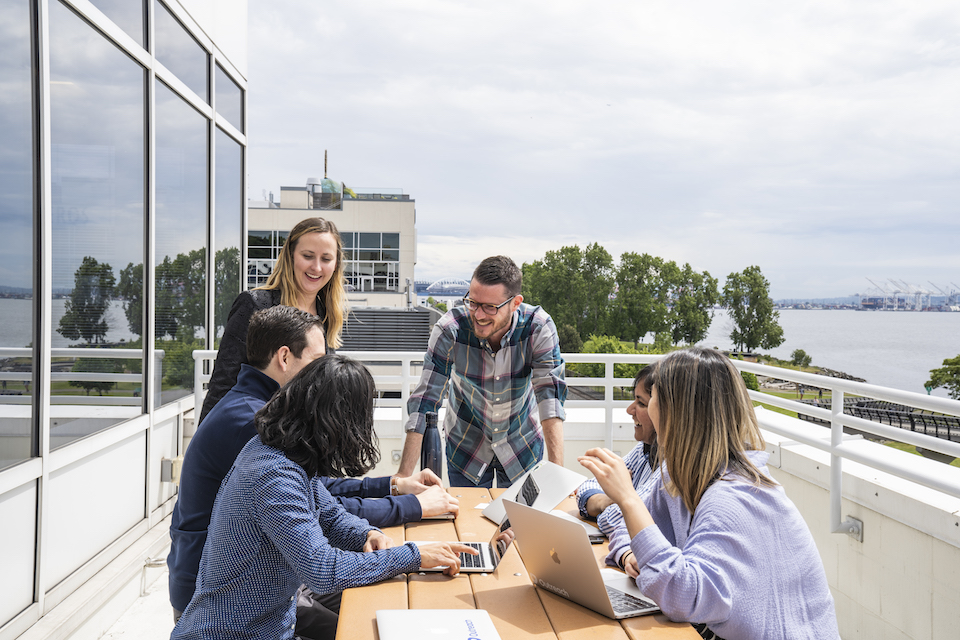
<point>816,140</point>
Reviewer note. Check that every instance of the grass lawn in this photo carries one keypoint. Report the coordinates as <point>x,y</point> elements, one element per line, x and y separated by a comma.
<point>909,448</point>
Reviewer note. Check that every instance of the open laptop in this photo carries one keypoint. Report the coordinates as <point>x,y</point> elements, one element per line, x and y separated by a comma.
<point>490,553</point>
<point>417,624</point>
<point>559,558</point>
<point>543,487</point>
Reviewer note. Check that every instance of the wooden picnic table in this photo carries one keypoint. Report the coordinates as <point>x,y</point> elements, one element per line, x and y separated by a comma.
<point>520,611</point>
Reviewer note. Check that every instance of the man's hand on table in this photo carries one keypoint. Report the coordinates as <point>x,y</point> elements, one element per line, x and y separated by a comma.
<point>377,540</point>
<point>444,554</point>
<point>418,482</point>
<point>436,501</point>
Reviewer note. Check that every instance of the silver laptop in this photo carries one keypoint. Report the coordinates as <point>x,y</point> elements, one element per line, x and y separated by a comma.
<point>417,624</point>
<point>490,553</point>
<point>543,487</point>
<point>559,558</point>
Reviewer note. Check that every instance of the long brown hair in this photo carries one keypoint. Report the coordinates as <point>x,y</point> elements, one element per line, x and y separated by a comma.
<point>706,422</point>
<point>334,293</point>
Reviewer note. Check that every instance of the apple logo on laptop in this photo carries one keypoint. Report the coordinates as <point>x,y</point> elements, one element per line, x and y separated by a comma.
<point>554,556</point>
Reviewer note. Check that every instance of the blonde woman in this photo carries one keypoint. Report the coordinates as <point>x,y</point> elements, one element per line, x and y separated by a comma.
<point>309,276</point>
<point>716,542</point>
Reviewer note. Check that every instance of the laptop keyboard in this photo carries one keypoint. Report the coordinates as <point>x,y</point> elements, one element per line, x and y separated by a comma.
<point>467,560</point>
<point>626,603</point>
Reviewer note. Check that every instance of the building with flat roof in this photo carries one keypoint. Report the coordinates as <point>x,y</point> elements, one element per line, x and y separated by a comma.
<point>378,227</point>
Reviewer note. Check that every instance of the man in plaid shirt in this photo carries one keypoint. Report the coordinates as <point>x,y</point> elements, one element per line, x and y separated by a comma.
<point>499,359</point>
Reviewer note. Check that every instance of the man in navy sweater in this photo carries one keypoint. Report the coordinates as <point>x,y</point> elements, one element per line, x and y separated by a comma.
<point>280,342</point>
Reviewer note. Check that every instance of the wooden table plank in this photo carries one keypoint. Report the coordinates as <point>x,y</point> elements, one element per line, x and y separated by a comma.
<point>437,591</point>
<point>512,601</point>
<point>362,604</point>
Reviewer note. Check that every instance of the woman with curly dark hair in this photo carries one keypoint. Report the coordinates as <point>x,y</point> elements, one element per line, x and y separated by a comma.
<point>275,525</point>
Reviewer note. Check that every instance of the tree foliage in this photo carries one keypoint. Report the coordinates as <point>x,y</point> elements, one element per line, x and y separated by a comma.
<point>574,286</point>
<point>569,339</point>
<point>87,305</point>
<point>947,376</point>
<point>95,365</point>
<point>606,344</point>
<point>642,303</point>
<point>800,358</point>
<point>694,295</point>
<point>747,296</point>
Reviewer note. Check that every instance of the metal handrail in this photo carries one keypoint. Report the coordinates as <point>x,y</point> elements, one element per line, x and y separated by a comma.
<point>831,441</point>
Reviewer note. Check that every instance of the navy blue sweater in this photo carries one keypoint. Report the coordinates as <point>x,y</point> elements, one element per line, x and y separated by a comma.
<point>218,441</point>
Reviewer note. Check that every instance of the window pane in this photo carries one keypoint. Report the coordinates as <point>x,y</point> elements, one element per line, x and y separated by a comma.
<point>391,240</point>
<point>97,141</point>
<point>17,433</point>
<point>368,255</point>
<point>369,241</point>
<point>229,99</point>
<point>177,50</point>
<point>392,254</point>
<point>126,14</point>
<point>180,242</point>
<point>228,228</point>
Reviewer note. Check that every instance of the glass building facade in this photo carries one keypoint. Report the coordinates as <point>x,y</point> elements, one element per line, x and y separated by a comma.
<point>122,225</point>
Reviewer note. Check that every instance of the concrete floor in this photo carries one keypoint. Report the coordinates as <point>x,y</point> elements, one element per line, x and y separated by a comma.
<point>149,618</point>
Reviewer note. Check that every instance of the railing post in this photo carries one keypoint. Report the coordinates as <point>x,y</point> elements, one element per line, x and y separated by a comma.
<point>851,526</point>
<point>608,402</point>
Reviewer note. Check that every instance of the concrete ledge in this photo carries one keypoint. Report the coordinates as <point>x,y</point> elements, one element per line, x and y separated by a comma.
<point>89,611</point>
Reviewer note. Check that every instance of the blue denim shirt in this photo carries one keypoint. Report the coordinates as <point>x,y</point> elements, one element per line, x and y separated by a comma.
<point>273,528</point>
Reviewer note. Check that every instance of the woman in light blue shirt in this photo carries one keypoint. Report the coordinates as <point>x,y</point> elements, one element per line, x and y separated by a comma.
<point>716,542</point>
<point>275,525</point>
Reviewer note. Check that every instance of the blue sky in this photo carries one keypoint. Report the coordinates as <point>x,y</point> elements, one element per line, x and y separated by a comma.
<point>819,141</point>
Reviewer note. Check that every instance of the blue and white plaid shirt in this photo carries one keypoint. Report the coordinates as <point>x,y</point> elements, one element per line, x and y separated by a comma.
<point>496,399</point>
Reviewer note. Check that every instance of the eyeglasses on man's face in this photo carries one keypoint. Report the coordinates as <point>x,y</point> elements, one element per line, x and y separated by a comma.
<point>489,309</point>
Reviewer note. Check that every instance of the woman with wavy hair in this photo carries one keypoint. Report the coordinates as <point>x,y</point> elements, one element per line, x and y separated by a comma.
<point>275,526</point>
<point>308,275</point>
<point>716,542</point>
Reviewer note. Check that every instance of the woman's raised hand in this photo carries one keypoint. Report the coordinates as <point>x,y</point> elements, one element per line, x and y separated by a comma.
<point>611,473</point>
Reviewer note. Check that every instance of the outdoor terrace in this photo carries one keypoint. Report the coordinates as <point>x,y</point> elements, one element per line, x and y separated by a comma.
<point>886,522</point>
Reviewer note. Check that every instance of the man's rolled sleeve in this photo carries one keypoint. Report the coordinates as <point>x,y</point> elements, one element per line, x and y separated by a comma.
<point>548,378</point>
<point>437,364</point>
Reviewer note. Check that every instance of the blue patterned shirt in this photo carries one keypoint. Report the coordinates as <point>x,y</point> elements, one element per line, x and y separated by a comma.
<point>497,399</point>
<point>637,462</point>
<point>273,528</point>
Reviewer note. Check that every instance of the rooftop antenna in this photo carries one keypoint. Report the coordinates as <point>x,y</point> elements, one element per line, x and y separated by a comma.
<point>324,164</point>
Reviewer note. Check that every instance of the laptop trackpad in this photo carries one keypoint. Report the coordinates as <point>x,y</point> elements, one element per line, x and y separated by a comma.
<point>621,581</point>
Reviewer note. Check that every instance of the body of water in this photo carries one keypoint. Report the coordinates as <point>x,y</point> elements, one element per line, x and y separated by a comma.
<point>15,318</point>
<point>886,348</point>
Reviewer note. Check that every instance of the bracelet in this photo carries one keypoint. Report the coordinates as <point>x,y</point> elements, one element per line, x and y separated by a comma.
<point>623,559</point>
<point>394,489</point>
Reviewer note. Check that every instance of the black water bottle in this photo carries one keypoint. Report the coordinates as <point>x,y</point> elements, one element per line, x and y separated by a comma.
<point>430,447</point>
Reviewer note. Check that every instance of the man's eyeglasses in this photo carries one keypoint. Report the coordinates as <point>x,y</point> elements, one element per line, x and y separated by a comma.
<point>489,309</point>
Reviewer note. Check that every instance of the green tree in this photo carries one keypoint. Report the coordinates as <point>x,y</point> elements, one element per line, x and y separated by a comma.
<point>573,286</point>
<point>750,380</point>
<point>130,291</point>
<point>747,296</point>
<point>642,300</point>
<point>947,376</point>
<point>226,274</point>
<point>800,358</point>
<point>570,341</point>
<point>694,296</point>
<point>84,313</point>
<point>95,365</point>
<point>606,344</point>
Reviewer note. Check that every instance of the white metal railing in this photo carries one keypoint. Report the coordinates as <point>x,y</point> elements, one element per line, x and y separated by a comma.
<point>831,441</point>
<point>77,376</point>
